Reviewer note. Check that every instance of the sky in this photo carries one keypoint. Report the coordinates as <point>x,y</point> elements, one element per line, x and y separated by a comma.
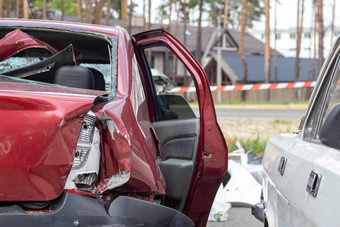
<point>286,13</point>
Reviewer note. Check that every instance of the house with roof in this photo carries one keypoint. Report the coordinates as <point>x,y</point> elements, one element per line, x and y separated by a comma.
<point>282,68</point>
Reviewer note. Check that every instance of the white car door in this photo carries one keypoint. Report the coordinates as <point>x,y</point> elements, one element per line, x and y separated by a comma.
<point>302,170</point>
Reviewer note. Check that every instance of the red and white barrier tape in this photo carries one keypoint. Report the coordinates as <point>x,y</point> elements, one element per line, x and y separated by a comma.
<point>245,87</point>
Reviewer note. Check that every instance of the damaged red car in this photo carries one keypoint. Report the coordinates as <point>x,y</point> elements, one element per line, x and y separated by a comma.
<point>87,138</point>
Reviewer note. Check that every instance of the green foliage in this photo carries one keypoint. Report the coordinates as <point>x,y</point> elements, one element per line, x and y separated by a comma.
<point>257,146</point>
<point>164,9</point>
<point>117,6</point>
<point>284,122</point>
<point>71,6</point>
<point>255,10</point>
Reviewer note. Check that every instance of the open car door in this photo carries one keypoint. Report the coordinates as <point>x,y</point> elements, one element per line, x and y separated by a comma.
<point>193,151</point>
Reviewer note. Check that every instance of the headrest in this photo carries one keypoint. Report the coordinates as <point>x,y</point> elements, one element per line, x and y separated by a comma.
<point>74,76</point>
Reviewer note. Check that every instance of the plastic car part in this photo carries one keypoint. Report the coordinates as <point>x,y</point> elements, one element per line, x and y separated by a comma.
<point>136,212</point>
<point>257,211</point>
<point>64,57</point>
<point>313,183</point>
<point>75,210</point>
<point>87,157</point>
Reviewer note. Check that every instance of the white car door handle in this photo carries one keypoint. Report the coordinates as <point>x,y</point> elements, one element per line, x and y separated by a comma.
<point>282,165</point>
<point>313,183</point>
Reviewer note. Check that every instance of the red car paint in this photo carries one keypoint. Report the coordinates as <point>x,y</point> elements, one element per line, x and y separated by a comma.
<point>210,170</point>
<point>39,132</point>
<point>17,41</point>
<point>47,122</point>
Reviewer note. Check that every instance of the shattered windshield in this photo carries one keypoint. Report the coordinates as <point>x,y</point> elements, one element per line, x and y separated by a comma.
<point>17,62</point>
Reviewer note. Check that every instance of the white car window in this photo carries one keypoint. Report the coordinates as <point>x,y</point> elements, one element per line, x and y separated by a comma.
<point>328,96</point>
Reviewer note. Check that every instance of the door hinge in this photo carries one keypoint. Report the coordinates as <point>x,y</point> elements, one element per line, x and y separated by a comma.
<point>313,183</point>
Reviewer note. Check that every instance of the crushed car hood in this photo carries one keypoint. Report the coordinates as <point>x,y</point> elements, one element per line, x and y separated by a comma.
<point>40,127</point>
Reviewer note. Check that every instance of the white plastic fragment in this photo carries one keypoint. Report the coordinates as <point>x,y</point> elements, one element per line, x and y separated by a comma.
<point>242,188</point>
<point>220,207</point>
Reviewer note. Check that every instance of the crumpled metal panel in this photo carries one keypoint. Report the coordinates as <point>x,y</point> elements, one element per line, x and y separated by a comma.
<point>38,137</point>
<point>17,41</point>
<point>116,158</point>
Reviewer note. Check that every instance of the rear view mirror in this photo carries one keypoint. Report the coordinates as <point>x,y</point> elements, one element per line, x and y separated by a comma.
<point>329,132</point>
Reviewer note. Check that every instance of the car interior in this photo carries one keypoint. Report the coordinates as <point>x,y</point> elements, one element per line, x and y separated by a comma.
<point>83,60</point>
<point>177,128</point>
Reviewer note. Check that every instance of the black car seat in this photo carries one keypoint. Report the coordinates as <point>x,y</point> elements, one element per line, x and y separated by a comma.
<point>74,76</point>
<point>99,81</point>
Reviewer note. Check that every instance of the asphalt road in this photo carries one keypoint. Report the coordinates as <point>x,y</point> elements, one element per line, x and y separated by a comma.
<point>238,217</point>
<point>259,113</point>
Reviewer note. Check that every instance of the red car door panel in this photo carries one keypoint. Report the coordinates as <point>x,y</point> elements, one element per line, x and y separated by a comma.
<point>211,159</point>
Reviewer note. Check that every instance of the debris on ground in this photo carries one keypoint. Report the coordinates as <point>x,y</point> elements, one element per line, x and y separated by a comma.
<point>243,186</point>
<point>220,207</point>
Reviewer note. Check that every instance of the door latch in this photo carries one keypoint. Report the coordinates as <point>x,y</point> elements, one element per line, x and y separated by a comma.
<point>282,165</point>
<point>313,183</point>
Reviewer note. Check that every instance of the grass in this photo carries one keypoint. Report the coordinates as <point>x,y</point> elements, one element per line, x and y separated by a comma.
<point>256,145</point>
<point>283,122</point>
<point>253,134</point>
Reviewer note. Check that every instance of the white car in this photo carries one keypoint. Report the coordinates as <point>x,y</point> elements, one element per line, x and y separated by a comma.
<point>301,171</point>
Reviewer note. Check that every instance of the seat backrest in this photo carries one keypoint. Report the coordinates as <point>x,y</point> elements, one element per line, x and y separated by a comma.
<point>99,81</point>
<point>74,76</point>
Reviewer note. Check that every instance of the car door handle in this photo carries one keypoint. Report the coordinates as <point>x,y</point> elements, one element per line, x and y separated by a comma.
<point>313,183</point>
<point>282,165</point>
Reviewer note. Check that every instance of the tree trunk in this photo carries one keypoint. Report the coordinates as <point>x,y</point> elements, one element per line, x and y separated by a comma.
<point>8,8</point>
<point>332,25</point>
<point>62,9</point>
<point>311,62</point>
<point>1,8</point>
<point>299,28</point>
<point>314,38</point>
<point>124,12</point>
<point>130,16</point>
<point>243,23</point>
<point>44,10</point>
<point>267,45</point>
<point>149,28</point>
<point>88,7</point>
<point>17,8</point>
<point>275,42</point>
<point>225,20</point>
<point>80,11</point>
<point>174,63</point>
<point>26,15</point>
<point>144,16</point>
<point>185,21</point>
<point>170,14</point>
<point>220,2</point>
<point>321,33</point>
<point>149,16</point>
<point>98,11</point>
<point>199,33</point>
<point>107,16</point>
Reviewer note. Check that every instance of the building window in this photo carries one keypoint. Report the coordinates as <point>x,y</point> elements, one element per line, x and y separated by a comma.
<point>307,35</point>
<point>262,36</point>
<point>292,35</point>
<point>278,36</point>
<point>336,33</point>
